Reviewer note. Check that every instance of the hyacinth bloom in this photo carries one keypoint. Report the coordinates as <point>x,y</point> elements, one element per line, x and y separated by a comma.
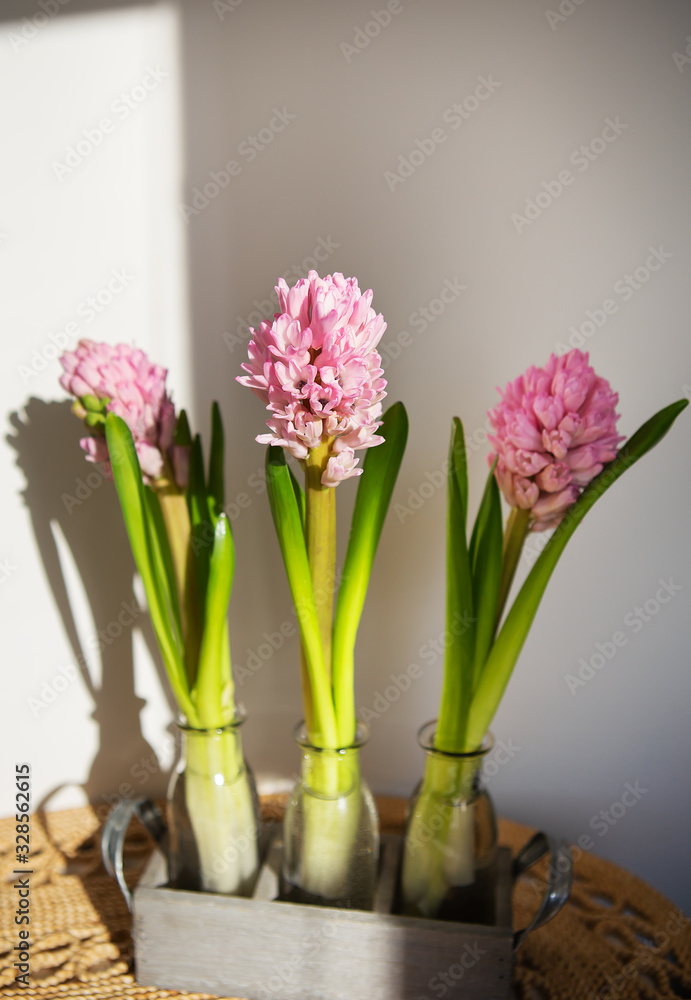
<point>555,429</point>
<point>556,447</point>
<point>121,379</point>
<point>317,369</point>
<point>183,549</point>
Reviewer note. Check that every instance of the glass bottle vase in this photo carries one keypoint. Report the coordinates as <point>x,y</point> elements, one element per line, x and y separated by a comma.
<point>213,813</point>
<point>330,829</point>
<point>449,854</point>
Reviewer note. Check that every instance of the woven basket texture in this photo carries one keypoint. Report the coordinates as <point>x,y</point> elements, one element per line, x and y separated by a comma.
<point>615,938</point>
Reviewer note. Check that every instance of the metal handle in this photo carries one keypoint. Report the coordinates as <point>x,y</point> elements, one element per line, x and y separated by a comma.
<point>115,831</point>
<point>559,882</point>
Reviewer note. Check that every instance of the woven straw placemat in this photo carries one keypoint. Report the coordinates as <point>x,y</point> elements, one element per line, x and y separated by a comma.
<point>615,938</point>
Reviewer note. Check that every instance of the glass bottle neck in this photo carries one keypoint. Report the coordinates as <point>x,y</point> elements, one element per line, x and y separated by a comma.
<point>452,775</point>
<point>212,752</point>
<point>329,773</point>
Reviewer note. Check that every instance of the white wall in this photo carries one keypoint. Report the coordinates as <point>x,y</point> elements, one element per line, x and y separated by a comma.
<point>322,180</point>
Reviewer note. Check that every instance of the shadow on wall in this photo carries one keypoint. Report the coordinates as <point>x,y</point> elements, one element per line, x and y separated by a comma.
<point>66,494</point>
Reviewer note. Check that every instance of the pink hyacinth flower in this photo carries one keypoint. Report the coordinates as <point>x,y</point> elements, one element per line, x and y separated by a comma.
<point>317,369</point>
<point>555,428</point>
<point>120,379</point>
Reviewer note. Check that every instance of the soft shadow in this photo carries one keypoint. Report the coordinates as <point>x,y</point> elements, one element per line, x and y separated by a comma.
<point>63,490</point>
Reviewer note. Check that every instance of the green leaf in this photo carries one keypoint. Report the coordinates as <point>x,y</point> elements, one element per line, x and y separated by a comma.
<point>481,518</point>
<point>197,497</point>
<point>128,482</point>
<point>299,496</point>
<point>183,435</point>
<point>486,566</point>
<point>458,461</point>
<point>380,471</point>
<point>209,689</point>
<point>202,530</point>
<point>459,655</point>
<point>288,523</point>
<point>163,560</point>
<point>514,631</point>
<point>216,487</point>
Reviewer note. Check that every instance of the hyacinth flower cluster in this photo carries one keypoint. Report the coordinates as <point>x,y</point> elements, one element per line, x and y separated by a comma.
<point>318,372</point>
<point>554,431</point>
<point>121,379</point>
<point>555,453</point>
<point>183,549</point>
<point>316,368</point>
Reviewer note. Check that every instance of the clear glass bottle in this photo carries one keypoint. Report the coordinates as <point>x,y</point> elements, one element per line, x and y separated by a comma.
<point>330,829</point>
<point>450,847</point>
<point>213,813</point>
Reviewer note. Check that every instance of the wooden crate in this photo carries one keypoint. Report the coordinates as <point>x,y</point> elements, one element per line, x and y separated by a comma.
<point>262,949</point>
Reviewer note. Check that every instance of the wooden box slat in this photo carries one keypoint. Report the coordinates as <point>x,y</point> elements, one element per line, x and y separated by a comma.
<point>263,949</point>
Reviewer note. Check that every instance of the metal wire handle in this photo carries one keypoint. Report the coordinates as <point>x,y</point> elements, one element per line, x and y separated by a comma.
<point>558,884</point>
<point>115,831</point>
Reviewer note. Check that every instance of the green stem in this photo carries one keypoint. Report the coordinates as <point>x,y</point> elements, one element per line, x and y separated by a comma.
<point>320,539</point>
<point>457,688</point>
<point>320,536</point>
<point>514,537</point>
<point>453,709</point>
<point>332,800</point>
<point>306,688</point>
